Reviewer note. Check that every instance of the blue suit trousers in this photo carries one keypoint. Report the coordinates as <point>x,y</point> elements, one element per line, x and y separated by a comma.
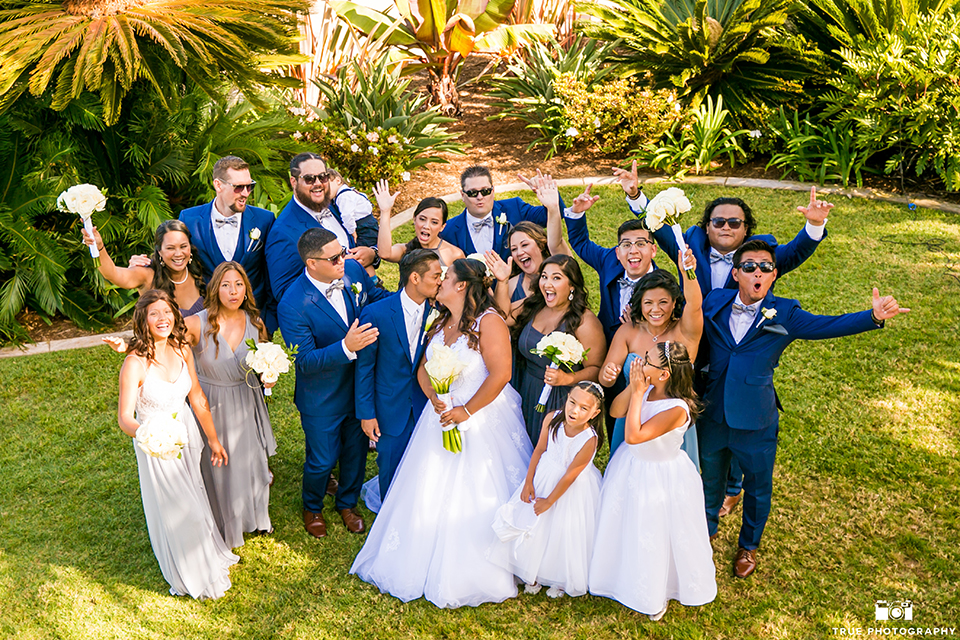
<point>327,440</point>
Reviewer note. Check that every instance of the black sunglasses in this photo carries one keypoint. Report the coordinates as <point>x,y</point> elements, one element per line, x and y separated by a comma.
<point>473,193</point>
<point>240,188</point>
<point>750,267</point>
<point>334,259</point>
<point>310,178</point>
<point>733,223</point>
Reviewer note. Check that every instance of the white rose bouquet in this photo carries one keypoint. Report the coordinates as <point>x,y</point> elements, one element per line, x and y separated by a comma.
<point>562,349</point>
<point>162,436</point>
<point>83,200</point>
<point>665,208</point>
<point>442,368</point>
<point>268,360</point>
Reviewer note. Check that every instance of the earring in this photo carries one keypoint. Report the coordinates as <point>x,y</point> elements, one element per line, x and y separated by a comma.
<point>662,377</point>
<point>570,297</point>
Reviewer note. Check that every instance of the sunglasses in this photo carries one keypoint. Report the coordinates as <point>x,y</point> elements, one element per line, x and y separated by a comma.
<point>733,223</point>
<point>310,178</point>
<point>333,259</point>
<point>640,243</point>
<point>750,267</point>
<point>473,193</point>
<point>240,188</point>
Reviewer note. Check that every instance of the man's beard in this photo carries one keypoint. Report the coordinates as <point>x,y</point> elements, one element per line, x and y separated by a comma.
<point>305,196</point>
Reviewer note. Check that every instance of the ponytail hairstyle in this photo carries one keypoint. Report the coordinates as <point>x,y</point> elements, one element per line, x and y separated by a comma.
<point>675,357</point>
<point>478,299</point>
<point>596,422</point>
<point>161,274</point>
<point>141,343</point>
<point>214,307</point>
<point>427,203</point>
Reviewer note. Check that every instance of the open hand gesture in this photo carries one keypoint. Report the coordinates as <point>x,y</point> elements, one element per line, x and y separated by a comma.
<point>501,270</point>
<point>584,201</point>
<point>360,336</point>
<point>116,343</point>
<point>385,199</point>
<point>638,380</point>
<point>886,307</point>
<point>817,211</point>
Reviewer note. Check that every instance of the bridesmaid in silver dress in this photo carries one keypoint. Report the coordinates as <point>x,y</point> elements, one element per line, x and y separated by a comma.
<point>218,334</point>
<point>157,377</point>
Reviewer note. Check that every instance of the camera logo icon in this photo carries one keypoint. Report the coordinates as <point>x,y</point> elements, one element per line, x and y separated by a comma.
<point>893,610</point>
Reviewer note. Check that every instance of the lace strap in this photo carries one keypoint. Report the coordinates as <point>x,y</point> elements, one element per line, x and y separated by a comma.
<point>476,323</point>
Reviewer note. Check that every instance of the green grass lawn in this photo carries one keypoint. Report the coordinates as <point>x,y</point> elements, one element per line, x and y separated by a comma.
<point>865,501</point>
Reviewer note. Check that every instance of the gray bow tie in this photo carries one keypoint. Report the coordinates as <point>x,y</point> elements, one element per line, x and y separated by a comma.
<point>336,285</point>
<point>221,221</point>
<point>743,308</point>
<point>626,283</point>
<point>715,257</point>
<point>486,222</point>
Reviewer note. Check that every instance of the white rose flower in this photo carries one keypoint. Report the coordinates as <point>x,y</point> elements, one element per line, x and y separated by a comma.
<point>405,176</point>
<point>82,199</point>
<point>255,233</point>
<point>354,148</point>
<point>571,132</point>
<point>374,151</point>
<point>479,258</point>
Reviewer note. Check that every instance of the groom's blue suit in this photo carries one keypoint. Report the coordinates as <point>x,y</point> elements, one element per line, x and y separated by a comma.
<point>249,252</point>
<point>387,388</point>
<point>325,384</point>
<point>740,419</point>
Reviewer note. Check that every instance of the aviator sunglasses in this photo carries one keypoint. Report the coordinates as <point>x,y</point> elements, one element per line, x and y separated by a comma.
<point>240,188</point>
<point>750,267</point>
<point>310,178</point>
<point>473,193</point>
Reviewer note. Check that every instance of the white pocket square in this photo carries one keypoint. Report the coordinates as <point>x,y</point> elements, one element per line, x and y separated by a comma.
<point>775,328</point>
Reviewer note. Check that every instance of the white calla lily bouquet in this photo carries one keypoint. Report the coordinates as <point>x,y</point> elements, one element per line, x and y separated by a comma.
<point>443,368</point>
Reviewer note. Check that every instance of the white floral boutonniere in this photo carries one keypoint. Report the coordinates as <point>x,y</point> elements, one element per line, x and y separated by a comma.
<point>443,273</point>
<point>502,220</point>
<point>357,288</point>
<point>768,314</point>
<point>431,318</point>
<point>254,236</point>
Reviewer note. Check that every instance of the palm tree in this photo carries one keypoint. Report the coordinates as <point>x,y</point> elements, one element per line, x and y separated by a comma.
<point>107,46</point>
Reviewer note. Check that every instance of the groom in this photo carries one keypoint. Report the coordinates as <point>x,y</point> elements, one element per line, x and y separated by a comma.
<point>318,315</point>
<point>748,329</point>
<point>389,398</point>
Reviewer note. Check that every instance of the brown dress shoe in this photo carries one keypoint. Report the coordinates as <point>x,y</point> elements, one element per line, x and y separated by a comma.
<point>745,562</point>
<point>729,503</point>
<point>714,536</point>
<point>315,524</point>
<point>332,486</point>
<point>352,521</point>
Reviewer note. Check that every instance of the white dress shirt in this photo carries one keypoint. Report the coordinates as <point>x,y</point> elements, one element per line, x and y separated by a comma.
<point>339,303</point>
<point>352,206</point>
<point>625,294</point>
<point>227,235</point>
<point>413,318</point>
<point>328,221</point>
<point>740,323</point>
<point>482,239</point>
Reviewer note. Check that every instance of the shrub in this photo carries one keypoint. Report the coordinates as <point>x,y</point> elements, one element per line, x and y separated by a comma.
<point>817,152</point>
<point>614,115</point>
<point>367,100</point>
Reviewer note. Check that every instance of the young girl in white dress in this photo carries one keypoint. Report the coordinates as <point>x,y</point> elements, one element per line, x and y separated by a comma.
<point>652,520</point>
<point>549,523</point>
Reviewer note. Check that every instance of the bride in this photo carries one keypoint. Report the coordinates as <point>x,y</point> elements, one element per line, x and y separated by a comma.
<point>157,377</point>
<point>433,536</point>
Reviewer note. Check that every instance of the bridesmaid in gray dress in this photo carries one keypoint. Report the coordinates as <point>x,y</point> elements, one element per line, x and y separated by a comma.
<point>559,303</point>
<point>240,491</point>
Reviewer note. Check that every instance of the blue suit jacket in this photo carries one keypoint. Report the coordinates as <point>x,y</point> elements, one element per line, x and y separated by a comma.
<point>789,256</point>
<point>307,319</point>
<point>516,210</point>
<point>249,253</point>
<point>604,261</point>
<point>387,386</point>
<point>283,260</point>
<point>740,380</point>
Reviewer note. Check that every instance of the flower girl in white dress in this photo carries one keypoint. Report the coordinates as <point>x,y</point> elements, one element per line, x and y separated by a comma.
<point>432,536</point>
<point>550,522</point>
<point>652,521</point>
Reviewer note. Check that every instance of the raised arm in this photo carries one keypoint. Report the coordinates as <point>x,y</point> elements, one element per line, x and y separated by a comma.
<point>501,271</point>
<point>691,322</point>
<point>125,278</point>
<point>388,251</point>
<point>635,431</point>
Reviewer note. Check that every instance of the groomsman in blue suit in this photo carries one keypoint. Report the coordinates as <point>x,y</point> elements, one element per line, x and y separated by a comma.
<point>389,397</point>
<point>747,329</point>
<point>230,229</point>
<point>312,207</point>
<point>484,224</point>
<point>318,314</point>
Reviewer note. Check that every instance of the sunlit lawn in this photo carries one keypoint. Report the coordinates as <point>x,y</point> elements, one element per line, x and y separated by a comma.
<point>865,501</point>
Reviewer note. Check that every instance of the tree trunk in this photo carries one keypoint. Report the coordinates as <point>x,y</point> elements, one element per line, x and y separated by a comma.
<point>443,91</point>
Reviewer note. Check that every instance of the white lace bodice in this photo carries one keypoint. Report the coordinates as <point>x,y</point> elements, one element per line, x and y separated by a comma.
<point>564,449</point>
<point>475,371</point>
<point>159,396</point>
